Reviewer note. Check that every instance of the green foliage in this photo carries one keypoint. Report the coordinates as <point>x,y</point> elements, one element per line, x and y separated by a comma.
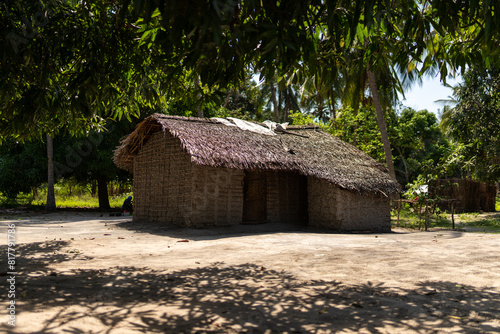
<point>419,145</point>
<point>73,62</point>
<point>409,217</point>
<point>218,40</point>
<point>84,201</point>
<point>479,222</point>
<point>417,190</point>
<point>69,65</point>
<point>245,101</point>
<point>81,158</point>
<point>90,157</point>
<point>22,166</point>
<point>299,118</point>
<point>360,129</point>
<point>473,122</point>
<point>453,162</point>
<point>471,222</point>
<point>68,195</point>
<point>248,97</point>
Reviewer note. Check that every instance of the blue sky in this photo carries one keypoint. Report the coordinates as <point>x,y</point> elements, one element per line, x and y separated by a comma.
<point>424,97</point>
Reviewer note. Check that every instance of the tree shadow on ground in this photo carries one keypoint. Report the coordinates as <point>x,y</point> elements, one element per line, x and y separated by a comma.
<point>234,299</point>
<point>34,256</point>
<point>218,232</point>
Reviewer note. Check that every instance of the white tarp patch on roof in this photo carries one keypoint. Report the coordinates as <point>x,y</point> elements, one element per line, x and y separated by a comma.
<point>245,125</point>
<point>249,126</point>
<point>223,121</point>
<point>273,125</point>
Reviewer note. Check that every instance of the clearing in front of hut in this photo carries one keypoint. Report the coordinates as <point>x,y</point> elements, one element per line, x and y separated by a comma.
<point>79,272</point>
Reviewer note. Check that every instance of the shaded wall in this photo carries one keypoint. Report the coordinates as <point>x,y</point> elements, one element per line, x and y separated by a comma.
<point>287,197</point>
<point>322,202</point>
<point>217,197</point>
<point>169,188</point>
<point>333,208</point>
<point>363,212</point>
<point>255,191</point>
<point>162,178</point>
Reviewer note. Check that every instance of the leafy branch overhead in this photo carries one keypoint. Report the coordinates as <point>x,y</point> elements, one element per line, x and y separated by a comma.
<point>72,64</point>
<point>64,63</point>
<point>219,39</point>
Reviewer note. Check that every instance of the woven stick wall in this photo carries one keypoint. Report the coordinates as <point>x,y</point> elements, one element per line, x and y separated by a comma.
<point>472,196</point>
<point>217,196</point>
<point>162,181</point>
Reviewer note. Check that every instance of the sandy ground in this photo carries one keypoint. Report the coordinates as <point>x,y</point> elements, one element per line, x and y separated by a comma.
<point>82,273</point>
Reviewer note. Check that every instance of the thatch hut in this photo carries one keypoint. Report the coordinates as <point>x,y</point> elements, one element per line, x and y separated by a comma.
<point>196,172</point>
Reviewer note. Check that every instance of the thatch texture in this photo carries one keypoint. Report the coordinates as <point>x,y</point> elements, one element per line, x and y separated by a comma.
<point>313,153</point>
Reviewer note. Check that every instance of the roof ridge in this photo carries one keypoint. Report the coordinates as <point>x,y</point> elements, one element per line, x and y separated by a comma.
<point>183,118</point>
<point>211,143</point>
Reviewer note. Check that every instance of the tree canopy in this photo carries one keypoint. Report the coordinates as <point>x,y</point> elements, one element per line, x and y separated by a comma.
<point>418,145</point>
<point>65,64</point>
<point>474,121</point>
<point>219,39</point>
<point>22,166</point>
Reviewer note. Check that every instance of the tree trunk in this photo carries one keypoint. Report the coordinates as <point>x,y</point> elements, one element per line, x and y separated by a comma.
<point>199,111</point>
<point>93,188</point>
<point>407,177</point>
<point>50,206</point>
<point>102,191</point>
<point>228,96</point>
<point>381,123</point>
<point>333,113</point>
<point>288,105</point>
<point>275,101</point>
<point>111,189</point>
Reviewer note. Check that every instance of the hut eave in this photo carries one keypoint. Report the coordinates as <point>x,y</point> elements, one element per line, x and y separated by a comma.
<point>313,153</point>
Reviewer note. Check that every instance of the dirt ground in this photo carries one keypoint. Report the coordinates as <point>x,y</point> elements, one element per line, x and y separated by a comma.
<point>87,273</point>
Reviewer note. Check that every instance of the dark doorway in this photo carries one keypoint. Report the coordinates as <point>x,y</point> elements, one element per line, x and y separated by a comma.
<point>255,197</point>
<point>293,198</point>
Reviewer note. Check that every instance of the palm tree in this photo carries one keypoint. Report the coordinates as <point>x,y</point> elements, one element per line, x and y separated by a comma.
<point>381,122</point>
<point>358,77</point>
<point>283,98</point>
<point>320,97</point>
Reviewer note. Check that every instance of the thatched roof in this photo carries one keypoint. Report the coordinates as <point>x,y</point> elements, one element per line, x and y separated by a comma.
<point>314,152</point>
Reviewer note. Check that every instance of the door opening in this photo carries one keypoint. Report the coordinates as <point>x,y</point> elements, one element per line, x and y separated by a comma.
<point>255,197</point>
